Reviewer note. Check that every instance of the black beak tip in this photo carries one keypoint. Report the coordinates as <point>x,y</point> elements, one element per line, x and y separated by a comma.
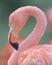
<point>15,45</point>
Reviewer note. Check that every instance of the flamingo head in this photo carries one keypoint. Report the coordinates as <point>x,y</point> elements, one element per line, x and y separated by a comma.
<point>13,32</point>
<point>16,23</point>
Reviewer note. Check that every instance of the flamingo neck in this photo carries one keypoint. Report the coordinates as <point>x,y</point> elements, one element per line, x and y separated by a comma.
<point>39,30</point>
<point>40,27</point>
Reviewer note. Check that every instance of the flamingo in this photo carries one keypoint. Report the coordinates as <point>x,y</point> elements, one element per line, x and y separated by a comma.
<point>40,54</point>
<point>8,50</point>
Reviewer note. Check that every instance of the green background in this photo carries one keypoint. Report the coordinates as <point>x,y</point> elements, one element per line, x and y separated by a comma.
<point>8,6</point>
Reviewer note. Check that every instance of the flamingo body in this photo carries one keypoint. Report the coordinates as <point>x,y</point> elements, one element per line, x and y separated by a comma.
<point>37,55</point>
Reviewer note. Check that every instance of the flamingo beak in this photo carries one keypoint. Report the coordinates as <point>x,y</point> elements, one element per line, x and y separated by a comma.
<point>14,44</point>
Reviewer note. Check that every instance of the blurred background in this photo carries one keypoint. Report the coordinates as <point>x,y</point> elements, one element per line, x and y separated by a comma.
<point>8,6</point>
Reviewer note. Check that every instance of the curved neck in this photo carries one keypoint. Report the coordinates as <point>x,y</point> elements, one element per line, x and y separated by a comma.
<point>38,31</point>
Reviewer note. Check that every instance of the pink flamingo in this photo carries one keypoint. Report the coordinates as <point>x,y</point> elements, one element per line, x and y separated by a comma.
<point>21,15</point>
<point>8,50</point>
